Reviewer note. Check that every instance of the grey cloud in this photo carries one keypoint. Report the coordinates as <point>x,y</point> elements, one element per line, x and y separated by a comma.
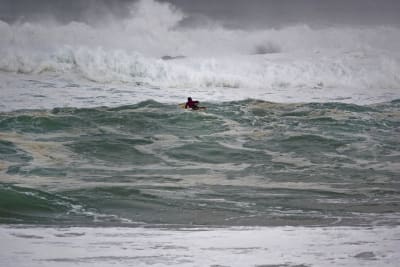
<point>231,13</point>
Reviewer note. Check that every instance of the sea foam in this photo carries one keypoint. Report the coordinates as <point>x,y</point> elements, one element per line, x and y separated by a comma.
<point>131,50</point>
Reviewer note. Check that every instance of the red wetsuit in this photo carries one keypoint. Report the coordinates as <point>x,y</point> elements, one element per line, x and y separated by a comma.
<point>192,104</point>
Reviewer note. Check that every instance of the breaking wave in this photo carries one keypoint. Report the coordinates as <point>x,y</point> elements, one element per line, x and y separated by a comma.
<point>135,49</point>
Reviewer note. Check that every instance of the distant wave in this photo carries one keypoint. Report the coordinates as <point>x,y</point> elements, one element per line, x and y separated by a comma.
<point>352,69</point>
<point>127,51</point>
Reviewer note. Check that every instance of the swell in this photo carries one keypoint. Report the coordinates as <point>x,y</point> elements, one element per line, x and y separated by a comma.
<point>248,162</point>
<point>135,134</point>
<point>24,205</point>
<point>216,205</point>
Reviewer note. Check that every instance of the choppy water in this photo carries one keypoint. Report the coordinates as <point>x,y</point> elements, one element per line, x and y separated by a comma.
<point>239,163</point>
<point>100,166</point>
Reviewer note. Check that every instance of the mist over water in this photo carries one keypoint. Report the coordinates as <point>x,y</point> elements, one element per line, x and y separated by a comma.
<point>230,13</point>
<point>135,48</point>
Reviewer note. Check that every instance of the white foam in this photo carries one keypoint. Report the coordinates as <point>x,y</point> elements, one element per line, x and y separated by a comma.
<point>297,63</point>
<point>241,246</point>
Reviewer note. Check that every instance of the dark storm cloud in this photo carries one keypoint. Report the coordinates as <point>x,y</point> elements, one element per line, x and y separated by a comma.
<point>61,10</point>
<point>234,13</point>
<point>283,12</point>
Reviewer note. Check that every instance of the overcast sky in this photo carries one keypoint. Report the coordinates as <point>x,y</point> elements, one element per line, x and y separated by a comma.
<point>232,13</point>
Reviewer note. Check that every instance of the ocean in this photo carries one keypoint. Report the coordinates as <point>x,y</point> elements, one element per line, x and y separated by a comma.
<point>295,161</point>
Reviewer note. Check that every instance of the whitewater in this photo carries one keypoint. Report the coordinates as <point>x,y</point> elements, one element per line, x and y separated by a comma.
<point>150,56</point>
<point>295,162</point>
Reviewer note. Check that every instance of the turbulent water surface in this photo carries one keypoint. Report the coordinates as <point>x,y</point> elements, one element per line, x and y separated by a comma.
<point>239,163</point>
<point>295,161</point>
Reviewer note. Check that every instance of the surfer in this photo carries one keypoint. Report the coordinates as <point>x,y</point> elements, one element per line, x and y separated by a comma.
<point>192,104</point>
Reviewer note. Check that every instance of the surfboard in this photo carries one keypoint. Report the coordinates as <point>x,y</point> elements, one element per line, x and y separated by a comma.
<point>182,106</point>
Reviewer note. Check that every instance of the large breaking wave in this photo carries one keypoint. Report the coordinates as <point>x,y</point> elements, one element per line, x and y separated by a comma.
<point>152,47</point>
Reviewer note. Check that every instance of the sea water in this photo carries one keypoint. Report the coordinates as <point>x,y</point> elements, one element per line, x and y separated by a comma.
<point>295,162</point>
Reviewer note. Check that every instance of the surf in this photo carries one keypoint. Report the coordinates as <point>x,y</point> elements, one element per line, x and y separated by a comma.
<point>296,58</point>
<point>291,163</point>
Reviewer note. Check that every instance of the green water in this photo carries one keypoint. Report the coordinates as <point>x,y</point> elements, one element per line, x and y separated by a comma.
<point>239,163</point>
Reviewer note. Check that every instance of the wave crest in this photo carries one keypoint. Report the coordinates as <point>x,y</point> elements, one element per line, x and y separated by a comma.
<point>212,56</point>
